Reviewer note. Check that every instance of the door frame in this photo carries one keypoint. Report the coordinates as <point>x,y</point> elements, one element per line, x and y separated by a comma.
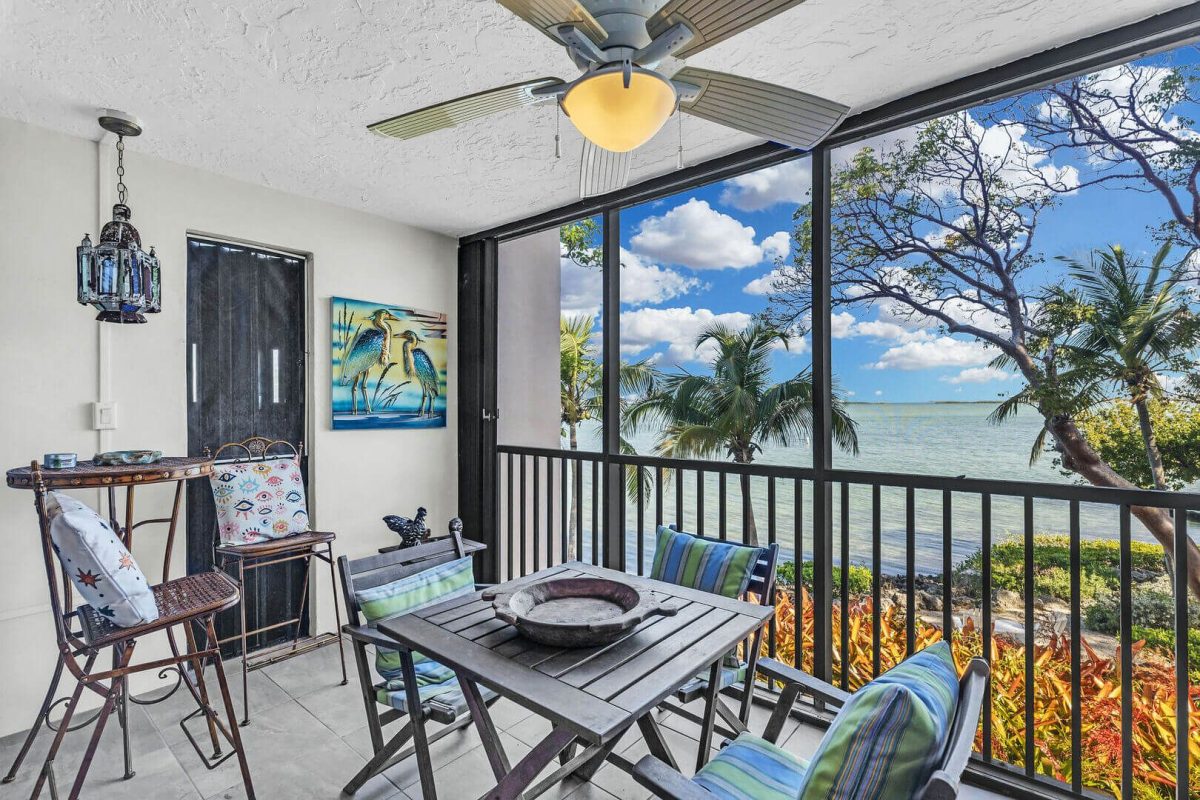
<point>308,318</point>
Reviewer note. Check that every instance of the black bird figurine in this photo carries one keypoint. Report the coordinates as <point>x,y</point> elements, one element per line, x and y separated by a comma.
<point>412,531</point>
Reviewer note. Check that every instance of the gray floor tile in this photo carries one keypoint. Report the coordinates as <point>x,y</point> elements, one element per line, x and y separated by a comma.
<point>305,674</point>
<point>264,694</point>
<point>340,708</point>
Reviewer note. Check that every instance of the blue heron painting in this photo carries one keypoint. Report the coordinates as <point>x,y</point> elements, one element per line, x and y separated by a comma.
<point>389,366</point>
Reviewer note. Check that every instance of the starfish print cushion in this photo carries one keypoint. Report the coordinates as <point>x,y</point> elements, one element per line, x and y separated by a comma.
<point>259,500</point>
<point>101,568</point>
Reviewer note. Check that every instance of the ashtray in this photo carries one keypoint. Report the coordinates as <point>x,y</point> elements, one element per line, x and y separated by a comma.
<point>121,458</point>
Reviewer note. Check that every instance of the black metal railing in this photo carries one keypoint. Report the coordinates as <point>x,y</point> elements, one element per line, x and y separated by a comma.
<point>912,534</point>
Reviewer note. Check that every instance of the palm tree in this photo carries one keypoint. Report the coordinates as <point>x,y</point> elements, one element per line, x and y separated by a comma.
<point>1132,328</point>
<point>581,390</point>
<point>736,409</point>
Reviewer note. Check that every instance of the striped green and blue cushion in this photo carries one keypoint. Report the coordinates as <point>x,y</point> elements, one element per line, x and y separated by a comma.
<point>752,769</point>
<point>403,596</point>
<point>885,742</point>
<point>718,567</point>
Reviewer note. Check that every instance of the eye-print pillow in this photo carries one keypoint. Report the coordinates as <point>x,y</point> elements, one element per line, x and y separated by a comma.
<point>101,568</point>
<point>259,500</point>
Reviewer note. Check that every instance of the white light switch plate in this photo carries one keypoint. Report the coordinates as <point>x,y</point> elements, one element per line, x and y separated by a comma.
<point>104,415</point>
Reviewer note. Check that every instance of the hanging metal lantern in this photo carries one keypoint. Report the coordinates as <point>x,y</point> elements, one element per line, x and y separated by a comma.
<point>116,275</point>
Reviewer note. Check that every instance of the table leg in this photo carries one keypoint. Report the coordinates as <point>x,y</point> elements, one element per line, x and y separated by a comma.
<point>528,768</point>
<point>487,729</point>
<point>592,765</point>
<point>711,699</point>
<point>417,714</point>
<point>655,741</point>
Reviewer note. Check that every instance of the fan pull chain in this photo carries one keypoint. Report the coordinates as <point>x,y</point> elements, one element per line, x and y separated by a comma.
<point>679,153</point>
<point>557,120</point>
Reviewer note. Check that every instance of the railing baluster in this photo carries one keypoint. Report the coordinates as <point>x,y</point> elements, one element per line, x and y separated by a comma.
<point>596,560</point>
<point>1076,655</point>
<point>537,512</point>
<point>1181,655</point>
<point>910,567</point>
<point>579,509</point>
<point>746,482</point>
<point>1029,623</point>
<point>509,541</point>
<point>772,626</point>
<point>1126,650</point>
<point>985,513</point>
<point>844,588</point>
<point>721,505</point>
<point>564,511</point>
<point>658,499</point>
<point>700,502</point>
<point>641,525</point>
<point>948,567</point>
<point>876,578</point>
<point>798,587</point>
<point>524,539</point>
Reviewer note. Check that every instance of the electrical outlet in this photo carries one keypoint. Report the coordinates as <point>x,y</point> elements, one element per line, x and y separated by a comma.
<point>104,415</point>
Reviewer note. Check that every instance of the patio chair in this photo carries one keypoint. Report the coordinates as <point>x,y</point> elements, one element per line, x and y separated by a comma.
<point>395,582</point>
<point>117,624</point>
<point>907,734</point>
<point>250,541</point>
<point>738,675</point>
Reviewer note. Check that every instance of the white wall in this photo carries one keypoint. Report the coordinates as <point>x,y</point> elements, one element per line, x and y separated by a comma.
<point>53,188</point>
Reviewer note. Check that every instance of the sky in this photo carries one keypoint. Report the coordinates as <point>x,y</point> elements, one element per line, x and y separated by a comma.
<point>707,254</point>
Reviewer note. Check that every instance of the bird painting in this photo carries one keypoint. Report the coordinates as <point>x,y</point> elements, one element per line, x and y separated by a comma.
<point>419,366</point>
<point>389,365</point>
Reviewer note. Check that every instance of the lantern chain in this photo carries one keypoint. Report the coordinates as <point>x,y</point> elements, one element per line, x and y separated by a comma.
<point>122,189</point>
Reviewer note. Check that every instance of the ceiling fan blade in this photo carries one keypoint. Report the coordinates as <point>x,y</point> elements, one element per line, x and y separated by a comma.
<point>713,21</point>
<point>797,119</point>
<point>602,171</point>
<point>545,15</point>
<point>461,109</point>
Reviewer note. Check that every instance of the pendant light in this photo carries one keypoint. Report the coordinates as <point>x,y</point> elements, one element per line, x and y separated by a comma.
<point>115,275</point>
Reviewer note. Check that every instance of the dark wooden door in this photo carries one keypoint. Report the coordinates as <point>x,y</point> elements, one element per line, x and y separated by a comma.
<point>246,377</point>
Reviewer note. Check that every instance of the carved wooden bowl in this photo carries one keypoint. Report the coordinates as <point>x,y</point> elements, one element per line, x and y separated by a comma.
<point>576,612</point>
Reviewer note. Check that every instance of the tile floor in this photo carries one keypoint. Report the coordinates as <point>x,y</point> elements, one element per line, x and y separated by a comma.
<point>308,736</point>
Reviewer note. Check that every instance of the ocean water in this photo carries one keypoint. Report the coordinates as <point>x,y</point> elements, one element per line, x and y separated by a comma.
<point>954,439</point>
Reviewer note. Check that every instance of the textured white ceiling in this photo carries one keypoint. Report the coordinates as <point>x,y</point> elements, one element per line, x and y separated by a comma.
<point>278,92</point>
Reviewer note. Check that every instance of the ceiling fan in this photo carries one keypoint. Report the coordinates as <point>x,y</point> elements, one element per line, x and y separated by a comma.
<point>622,98</point>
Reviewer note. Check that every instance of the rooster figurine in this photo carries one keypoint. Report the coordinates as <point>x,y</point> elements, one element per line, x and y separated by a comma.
<point>412,531</point>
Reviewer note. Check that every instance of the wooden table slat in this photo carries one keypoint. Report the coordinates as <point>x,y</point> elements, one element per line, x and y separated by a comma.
<point>561,664</point>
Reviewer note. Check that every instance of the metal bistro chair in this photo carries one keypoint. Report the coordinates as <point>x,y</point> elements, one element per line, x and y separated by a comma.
<point>84,634</point>
<point>248,558</point>
<point>392,564</point>
<point>761,588</point>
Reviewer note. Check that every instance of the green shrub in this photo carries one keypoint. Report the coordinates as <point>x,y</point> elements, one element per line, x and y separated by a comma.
<point>1099,561</point>
<point>1151,609</point>
<point>1163,639</point>
<point>860,577</point>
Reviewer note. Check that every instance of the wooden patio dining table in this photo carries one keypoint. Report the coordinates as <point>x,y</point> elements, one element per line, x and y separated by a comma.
<point>591,696</point>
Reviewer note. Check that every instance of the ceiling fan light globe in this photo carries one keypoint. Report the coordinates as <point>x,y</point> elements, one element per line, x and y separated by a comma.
<point>616,117</point>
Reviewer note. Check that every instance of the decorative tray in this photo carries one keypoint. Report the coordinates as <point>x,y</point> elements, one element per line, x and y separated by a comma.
<point>576,612</point>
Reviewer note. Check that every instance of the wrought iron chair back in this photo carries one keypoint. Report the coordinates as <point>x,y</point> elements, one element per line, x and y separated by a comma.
<point>256,448</point>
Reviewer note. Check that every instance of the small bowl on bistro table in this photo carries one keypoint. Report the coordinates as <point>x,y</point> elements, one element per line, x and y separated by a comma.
<point>576,612</point>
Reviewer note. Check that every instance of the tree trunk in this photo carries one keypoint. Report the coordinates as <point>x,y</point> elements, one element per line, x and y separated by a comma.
<point>1153,455</point>
<point>749,528</point>
<point>1079,457</point>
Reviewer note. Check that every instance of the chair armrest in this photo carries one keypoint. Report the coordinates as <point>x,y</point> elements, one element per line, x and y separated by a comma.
<point>369,635</point>
<point>808,684</point>
<point>666,783</point>
<point>480,586</point>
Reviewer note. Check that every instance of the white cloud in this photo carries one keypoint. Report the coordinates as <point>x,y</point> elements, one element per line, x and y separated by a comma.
<point>581,289</point>
<point>678,328</point>
<point>943,351</point>
<point>777,245</point>
<point>788,182</point>
<point>979,375</point>
<point>841,325</point>
<point>765,284</point>
<point>698,236</point>
<point>879,392</point>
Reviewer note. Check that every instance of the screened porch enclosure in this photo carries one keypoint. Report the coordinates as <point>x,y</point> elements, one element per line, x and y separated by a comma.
<point>876,563</point>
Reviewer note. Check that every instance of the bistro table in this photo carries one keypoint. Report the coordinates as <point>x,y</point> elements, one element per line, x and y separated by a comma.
<point>592,696</point>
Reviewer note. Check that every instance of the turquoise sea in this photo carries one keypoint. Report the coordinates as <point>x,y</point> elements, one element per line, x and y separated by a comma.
<point>953,439</point>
